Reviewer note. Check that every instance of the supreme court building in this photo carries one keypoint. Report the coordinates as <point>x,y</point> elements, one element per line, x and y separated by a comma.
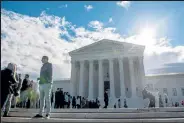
<point>109,65</point>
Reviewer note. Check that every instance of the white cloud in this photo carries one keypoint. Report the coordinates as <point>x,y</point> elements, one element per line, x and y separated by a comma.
<point>110,20</point>
<point>96,24</point>
<point>29,40</point>
<point>26,39</point>
<point>125,4</point>
<point>88,7</point>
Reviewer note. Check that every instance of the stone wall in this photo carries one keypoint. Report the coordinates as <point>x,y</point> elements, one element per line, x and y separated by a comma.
<point>168,81</point>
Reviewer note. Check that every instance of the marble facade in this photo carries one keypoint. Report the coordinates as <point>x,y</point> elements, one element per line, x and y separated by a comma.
<point>108,65</point>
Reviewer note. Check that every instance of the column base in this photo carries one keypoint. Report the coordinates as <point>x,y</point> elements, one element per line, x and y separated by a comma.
<point>112,101</point>
<point>122,101</point>
<point>102,103</point>
<point>135,102</point>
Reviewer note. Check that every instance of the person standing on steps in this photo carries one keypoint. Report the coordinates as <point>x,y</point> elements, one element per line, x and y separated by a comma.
<point>52,98</point>
<point>106,99</point>
<point>56,99</point>
<point>24,91</point>
<point>45,85</point>
<point>62,98</point>
<point>73,102</point>
<point>66,99</point>
<point>8,83</point>
<point>78,102</point>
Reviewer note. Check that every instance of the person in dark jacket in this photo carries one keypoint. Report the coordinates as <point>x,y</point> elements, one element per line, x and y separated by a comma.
<point>93,104</point>
<point>62,98</point>
<point>17,88</point>
<point>57,98</point>
<point>68,106</point>
<point>8,82</point>
<point>74,102</point>
<point>87,103</point>
<point>97,103</point>
<point>24,90</point>
<point>90,104</point>
<point>106,99</point>
<point>52,98</point>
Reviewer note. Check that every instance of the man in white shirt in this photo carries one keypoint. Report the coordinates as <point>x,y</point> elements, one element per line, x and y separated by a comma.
<point>45,87</point>
<point>78,102</point>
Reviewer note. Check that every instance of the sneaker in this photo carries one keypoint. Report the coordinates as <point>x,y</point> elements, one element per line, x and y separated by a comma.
<point>38,116</point>
<point>47,116</point>
<point>5,115</point>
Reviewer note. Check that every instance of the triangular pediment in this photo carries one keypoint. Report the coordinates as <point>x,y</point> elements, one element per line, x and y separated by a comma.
<point>106,45</point>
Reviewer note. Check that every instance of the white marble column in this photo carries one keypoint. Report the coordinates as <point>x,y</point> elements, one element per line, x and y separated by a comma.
<point>111,71</point>
<point>122,83</point>
<point>81,81</point>
<point>101,82</point>
<point>72,80</point>
<point>132,77</point>
<point>142,72</point>
<point>91,88</point>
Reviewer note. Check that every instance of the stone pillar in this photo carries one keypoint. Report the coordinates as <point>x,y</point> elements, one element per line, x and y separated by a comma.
<point>91,88</point>
<point>112,87</point>
<point>142,72</point>
<point>101,83</point>
<point>72,80</point>
<point>122,84</point>
<point>132,77</point>
<point>134,101</point>
<point>81,81</point>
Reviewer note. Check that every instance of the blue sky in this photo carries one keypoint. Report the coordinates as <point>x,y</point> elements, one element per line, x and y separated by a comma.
<point>60,27</point>
<point>126,21</point>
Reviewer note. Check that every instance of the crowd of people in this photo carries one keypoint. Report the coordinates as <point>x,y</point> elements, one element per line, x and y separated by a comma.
<point>37,94</point>
<point>29,93</point>
<point>65,100</point>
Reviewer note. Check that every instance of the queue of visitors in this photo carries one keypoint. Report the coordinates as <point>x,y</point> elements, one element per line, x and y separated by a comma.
<point>64,100</point>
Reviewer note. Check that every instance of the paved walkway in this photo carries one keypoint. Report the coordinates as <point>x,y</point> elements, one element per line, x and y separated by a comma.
<point>157,115</point>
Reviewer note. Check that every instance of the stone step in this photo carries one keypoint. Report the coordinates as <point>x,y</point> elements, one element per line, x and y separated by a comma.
<point>118,110</point>
<point>105,115</point>
<point>156,120</point>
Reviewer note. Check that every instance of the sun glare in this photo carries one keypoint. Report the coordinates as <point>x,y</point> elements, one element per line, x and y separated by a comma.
<point>147,36</point>
<point>147,33</point>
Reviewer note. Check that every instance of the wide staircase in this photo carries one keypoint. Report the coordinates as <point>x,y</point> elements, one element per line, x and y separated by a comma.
<point>167,115</point>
